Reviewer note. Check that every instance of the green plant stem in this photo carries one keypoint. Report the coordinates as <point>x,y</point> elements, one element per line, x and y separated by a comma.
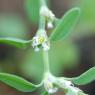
<point>46,61</point>
<point>42,18</point>
<point>42,23</point>
<point>43,2</point>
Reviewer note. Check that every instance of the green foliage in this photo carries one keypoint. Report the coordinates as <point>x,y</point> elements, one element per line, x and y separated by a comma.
<point>45,93</point>
<point>17,82</point>
<point>65,25</point>
<point>32,10</point>
<point>85,78</point>
<point>15,42</point>
<point>56,21</point>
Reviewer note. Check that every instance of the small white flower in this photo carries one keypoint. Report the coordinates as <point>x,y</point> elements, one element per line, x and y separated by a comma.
<point>46,46</point>
<point>51,15</point>
<point>65,83</point>
<point>74,91</point>
<point>68,83</point>
<point>40,40</point>
<point>44,11</point>
<point>49,85</point>
<point>35,41</point>
<point>36,49</point>
<point>52,90</point>
<point>49,25</point>
<point>69,86</point>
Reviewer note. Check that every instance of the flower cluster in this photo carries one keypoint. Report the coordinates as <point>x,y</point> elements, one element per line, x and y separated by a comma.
<point>44,11</point>
<point>49,85</point>
<point>71,90</point>
<point>41,38</point>
<point>41,41</point>
<point>52,84</point>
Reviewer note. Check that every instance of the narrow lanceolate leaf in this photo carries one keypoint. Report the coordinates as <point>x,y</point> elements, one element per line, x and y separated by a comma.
<point>17,82</point>
<point>65,25</point>
<point>15,42</point>
<point>85,78</point>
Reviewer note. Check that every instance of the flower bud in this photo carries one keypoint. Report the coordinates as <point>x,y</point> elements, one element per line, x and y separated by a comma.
<point>49,25</point>
<point>44,11</point>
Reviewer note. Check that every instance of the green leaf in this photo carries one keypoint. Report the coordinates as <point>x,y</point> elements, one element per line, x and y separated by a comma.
<point>56,21</point>
<point>32,10</point>
<point>65,25</point>
<point>17,82</point>
<point>15,42</point>
<point>45,93</point>
<point>85,78</point>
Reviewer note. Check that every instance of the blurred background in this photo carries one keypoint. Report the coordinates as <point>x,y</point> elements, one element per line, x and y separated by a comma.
<point>70,57</point>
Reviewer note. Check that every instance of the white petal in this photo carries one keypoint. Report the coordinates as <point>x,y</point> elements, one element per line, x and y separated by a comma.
<point>51,15</point>
<point>74,89</point>
<point>53,90</point>
<point>68,83</point>
<point>35,41</point>
<point>65,83</point>
<point>45,47</point>
<point>36,49</point>
<point>49,25</point>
